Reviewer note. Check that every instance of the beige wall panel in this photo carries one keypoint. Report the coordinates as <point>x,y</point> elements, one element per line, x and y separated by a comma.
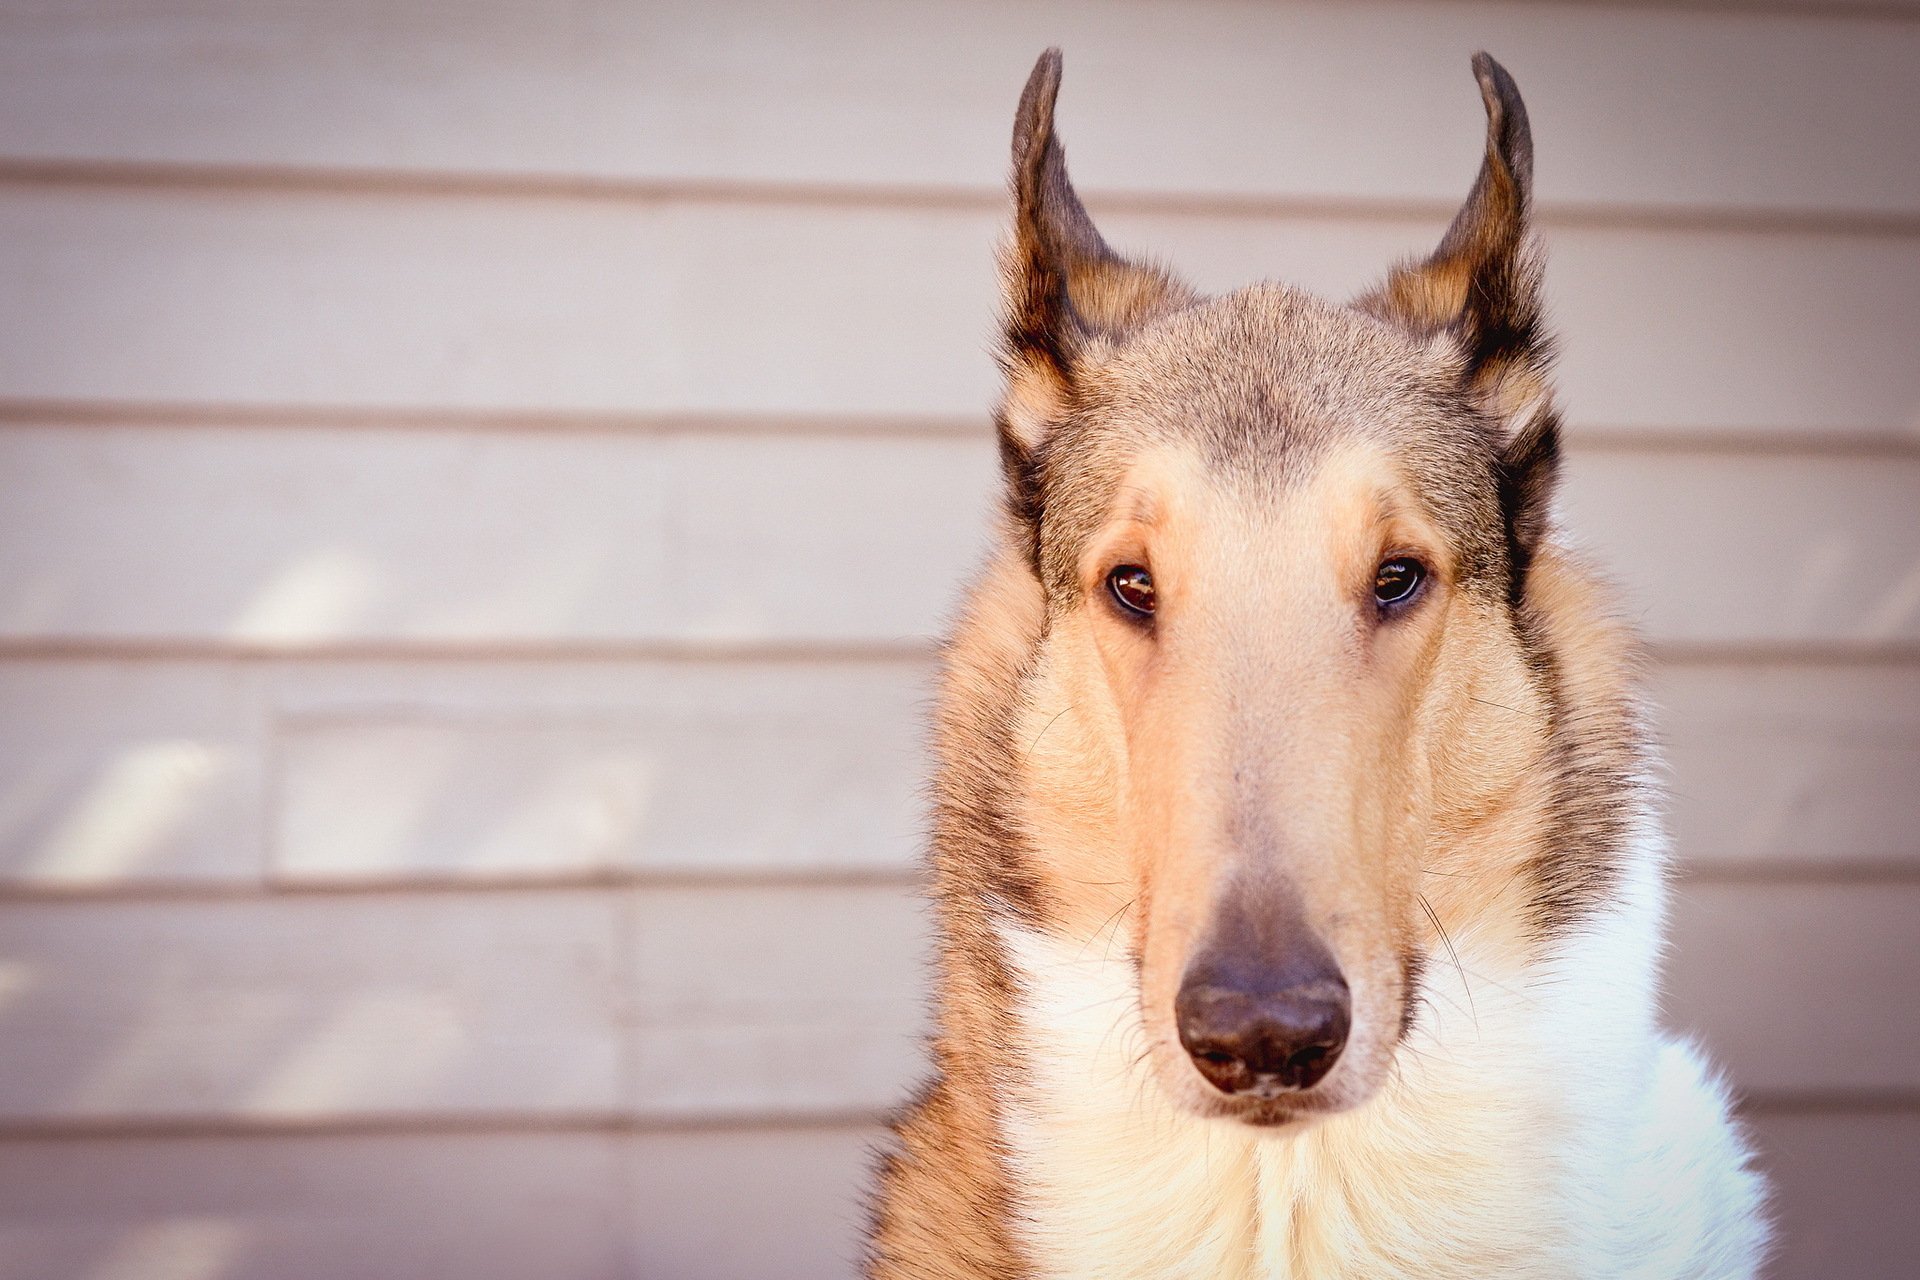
<point>582,306</point>
<point>308,1008</point>
<point>1711,548</point>
<point>1756,334</point>
<point>681,766</point>
<point>1671,108</point>
<point>798,538</point>
<point>314,1207</point>
<point>295,536</point>
<point>261,537</point>
<point>697,1193</point>
<point>127,772</point>
<point>690,1205</point>
<point>479,800</point>
<point>1844,1189</point>
<point>785,1001</point>
<point>256,298</point>
<point>1800,988</point>
<point>1775,766</point>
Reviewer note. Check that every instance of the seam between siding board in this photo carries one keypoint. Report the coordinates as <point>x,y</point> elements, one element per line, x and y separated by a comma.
<point>1749,1105</point>
<point>1839,9</point>
<point>1900,657</point>
<point>195,649</point>
<point>97,413</point>
<point>1849,654</point>
<point>1868,655</point>
<point>1891,442</point>
<point>1789,1103</point>
<point>422,1124</point>
<point>281,888</point>
<point>508,185</point>
<point>1789,874</point>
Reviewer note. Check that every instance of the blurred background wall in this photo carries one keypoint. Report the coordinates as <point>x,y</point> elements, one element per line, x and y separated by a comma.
<point>478,483</point>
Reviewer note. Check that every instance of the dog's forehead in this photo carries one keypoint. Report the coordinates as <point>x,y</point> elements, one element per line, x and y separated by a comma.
<point>1261,387</point>
<point>1269,373</point>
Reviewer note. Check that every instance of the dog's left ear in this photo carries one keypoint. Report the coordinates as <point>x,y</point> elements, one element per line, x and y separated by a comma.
<point>1480,291</point>
<point>1067,293</point>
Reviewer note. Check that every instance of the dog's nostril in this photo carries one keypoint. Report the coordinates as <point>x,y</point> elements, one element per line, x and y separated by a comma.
<point>1242,1041</point>
<point>1309,1058</point>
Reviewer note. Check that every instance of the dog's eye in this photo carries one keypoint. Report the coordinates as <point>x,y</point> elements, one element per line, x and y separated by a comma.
<point>1397,580</point>
<point>1132,588</point>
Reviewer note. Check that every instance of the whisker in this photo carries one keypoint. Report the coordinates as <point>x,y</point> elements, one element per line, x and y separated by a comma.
<point>1119,1021</point>
<point>1074,1013</point>
<point>1446,940</point>
<point>1104,926</point>
<point>1048,725</point>
<point>1485,702</point>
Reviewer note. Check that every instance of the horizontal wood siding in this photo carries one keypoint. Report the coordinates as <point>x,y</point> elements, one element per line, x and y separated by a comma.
<point>1667,108</point>
<point>376,305</point>
<point>480,486</point>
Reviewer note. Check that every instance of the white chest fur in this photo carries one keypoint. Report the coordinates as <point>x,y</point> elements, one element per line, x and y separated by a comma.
<point>1540,1128</point>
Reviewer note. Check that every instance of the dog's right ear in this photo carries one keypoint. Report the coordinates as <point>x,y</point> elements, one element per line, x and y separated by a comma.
<point>1066,291</point>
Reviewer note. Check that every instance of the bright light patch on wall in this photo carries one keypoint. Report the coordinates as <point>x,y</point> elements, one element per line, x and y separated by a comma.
<point>320,596</point>
<point>379,1050</point>
<point>16,979</point>
<point>137,805</point>
<point>370,790</point>
<point>1892,614</point>
<point>177,1249</point>
<point>583,812</point>
<point>461,797</point>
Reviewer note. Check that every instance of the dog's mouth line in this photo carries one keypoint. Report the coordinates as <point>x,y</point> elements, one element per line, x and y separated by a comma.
<point>1269,1114</point>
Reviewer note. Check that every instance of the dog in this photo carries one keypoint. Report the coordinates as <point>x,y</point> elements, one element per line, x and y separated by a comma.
<point>1297,881</point>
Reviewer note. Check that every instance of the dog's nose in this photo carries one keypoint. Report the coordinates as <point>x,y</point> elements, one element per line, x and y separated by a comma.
<point>1245,1040</point>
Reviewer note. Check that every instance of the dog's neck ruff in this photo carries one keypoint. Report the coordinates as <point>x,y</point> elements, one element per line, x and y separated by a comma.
<point>1528,1094</point>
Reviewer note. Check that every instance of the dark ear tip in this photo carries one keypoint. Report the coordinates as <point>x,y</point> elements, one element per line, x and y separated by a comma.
<point>1497,88</point>
<point>1034,118</point>
<point>1507,128</point>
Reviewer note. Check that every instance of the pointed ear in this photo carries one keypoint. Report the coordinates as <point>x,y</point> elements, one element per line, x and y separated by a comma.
<point>1066,291</point>
<point>1480,292</point>
<point>1481,287</point>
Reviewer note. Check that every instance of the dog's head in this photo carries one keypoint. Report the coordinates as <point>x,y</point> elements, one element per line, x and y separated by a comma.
<point>1285,551</point>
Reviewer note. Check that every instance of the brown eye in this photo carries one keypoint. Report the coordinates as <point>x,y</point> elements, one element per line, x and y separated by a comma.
<point>1396,581</point>
<point>1132,588</point>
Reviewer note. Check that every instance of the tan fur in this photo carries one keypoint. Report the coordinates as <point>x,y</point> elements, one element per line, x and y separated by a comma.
<point>1450,797</point>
